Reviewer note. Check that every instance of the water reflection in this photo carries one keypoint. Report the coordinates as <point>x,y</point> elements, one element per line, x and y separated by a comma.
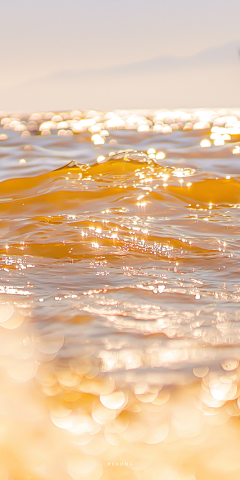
<point>119,319</point>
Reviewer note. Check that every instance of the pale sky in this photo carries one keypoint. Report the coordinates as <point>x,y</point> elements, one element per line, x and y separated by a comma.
<point>41,37</point>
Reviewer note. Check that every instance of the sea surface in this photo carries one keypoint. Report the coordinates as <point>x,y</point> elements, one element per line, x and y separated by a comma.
<point>119,295</point>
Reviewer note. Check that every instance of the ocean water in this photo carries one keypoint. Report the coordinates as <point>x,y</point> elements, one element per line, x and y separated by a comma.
<point>119,295</point>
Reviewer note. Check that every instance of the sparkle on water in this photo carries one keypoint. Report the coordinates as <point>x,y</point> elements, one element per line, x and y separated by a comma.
<point>119,294</point>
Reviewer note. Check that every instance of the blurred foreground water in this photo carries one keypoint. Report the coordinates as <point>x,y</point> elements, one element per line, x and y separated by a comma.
<point>119,295</point>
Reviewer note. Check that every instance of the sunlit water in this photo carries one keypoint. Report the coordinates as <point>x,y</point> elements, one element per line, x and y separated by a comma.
<point>119,295</point>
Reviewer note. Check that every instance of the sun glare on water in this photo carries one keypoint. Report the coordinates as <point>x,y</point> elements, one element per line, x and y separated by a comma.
<point>119,295</point>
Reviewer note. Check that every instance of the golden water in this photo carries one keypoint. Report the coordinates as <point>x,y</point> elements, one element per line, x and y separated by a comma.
<point>119,295</point>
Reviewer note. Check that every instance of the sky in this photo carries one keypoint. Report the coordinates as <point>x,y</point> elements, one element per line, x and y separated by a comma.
<point>40,38</point>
